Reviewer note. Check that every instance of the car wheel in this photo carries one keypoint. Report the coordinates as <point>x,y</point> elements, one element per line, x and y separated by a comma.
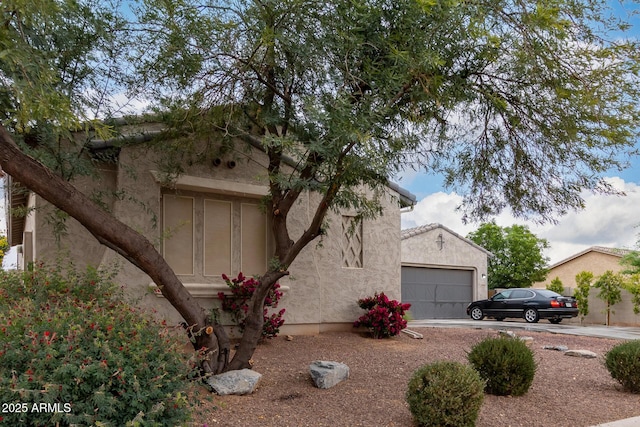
<point>555,321</point>
<point>531,315</point>
<point>476,313</point>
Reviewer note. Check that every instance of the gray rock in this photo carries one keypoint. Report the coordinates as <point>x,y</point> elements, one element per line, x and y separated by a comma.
<point>240,382</point>
<point>328,374</point>
<point>527,340</point>
<point>506,333</point>
<point>556,347</point>
<point>581,353</point>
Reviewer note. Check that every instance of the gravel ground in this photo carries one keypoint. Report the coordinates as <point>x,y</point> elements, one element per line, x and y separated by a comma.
<point>567,391</point>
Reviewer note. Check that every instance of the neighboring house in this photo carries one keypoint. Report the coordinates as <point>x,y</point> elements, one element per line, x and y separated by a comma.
<point>208,221</point>
<point>597,260</point>
<point>442,272</point>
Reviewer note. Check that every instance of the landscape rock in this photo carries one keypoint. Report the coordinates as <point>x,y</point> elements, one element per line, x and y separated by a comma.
<point>239,382</point>
<point>413,334</point>
<point>581,353</point>
<point>507,333</point>
<point>327,374</point>
<point>556,347</point>
<point>527,340</point>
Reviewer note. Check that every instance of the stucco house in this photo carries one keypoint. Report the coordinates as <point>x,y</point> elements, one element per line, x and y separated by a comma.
<point>208,221</point>
<point>597,260</point>
<point>442,272</point>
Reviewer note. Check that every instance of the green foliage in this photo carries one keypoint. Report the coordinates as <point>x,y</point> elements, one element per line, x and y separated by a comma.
<point>396,79</point>
<point>68,338</point>
<point>632,262</point>
<point>610,285</point>
<point>632,285</point>
<point>506,364</point>
<point>623,363</point>
<point>556,286</point>
<point>518,259</point>
<point>445,394</point>
<point>4,247</point>
<point>581,292</point>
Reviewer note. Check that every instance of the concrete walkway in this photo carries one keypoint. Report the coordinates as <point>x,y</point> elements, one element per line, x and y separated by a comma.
<point>614,332</point>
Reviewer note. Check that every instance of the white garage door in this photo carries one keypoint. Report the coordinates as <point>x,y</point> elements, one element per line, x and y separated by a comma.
<point>437,293</point>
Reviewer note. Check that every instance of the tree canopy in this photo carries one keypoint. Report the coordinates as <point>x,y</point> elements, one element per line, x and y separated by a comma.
<point>518,260</point>
<point>521,105</point>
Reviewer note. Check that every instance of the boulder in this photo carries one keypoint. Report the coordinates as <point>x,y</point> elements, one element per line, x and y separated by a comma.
<point>581,353</point>
<point>240,382</point>
<point>328,374</point>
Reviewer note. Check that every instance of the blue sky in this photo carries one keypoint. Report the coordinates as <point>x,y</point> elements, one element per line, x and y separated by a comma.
<point>609,221</point>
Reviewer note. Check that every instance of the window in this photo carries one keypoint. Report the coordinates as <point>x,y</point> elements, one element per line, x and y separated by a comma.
<point>206,235</point>
<point>351,242</point>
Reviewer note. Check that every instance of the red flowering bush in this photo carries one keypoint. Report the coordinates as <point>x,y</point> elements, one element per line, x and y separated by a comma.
<point>72,352</point>
<point>242,288</point>
<point>384,317</point>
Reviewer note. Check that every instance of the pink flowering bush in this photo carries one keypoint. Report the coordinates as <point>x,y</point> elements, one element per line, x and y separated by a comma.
<point>237,304</point>
<point>384,317</point>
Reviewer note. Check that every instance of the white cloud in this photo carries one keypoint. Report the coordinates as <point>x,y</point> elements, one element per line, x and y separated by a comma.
<point>609,221</point>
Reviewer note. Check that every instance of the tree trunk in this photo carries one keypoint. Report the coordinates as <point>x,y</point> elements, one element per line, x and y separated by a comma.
<point>209,337</point>
<point>254,321</point>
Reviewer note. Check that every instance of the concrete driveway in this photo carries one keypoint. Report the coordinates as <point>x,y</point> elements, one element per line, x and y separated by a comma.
<point>615,332</point>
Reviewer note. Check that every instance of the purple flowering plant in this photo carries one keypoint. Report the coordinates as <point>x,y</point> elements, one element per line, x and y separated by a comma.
<point>384,317</point>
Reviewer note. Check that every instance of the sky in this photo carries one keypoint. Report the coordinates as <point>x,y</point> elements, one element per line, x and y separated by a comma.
<point>609,221</point>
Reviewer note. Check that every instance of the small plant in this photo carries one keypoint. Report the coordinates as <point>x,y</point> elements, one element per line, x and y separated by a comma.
<point>610,285</point>
<point>242,288</point>
<point>447,394</point>
<point>581,293</point>
<point>384,317</point>
<point>556,286</point>
<point>506,364</point>
<point>69,342</point>
<point>623,363</point>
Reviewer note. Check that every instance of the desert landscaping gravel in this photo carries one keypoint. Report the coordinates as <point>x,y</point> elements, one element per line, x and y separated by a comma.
<point>567,391</point>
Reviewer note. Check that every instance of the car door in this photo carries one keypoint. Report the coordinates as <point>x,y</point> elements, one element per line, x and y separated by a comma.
<point>518,300</point>
<point>496,306</point>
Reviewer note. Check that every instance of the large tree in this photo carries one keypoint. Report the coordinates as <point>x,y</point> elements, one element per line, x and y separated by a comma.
<point>518,259</point>
<point>520,104</point>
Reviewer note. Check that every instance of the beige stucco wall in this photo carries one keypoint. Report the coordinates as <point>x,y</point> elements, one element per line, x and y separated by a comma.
<point>597,263</point>
<point>71,241</point>
<point>320,293</point>
<point>422,250</point>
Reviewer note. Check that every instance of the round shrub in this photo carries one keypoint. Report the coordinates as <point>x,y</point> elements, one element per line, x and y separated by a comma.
<point>446,394</point>
<point>623,363</point>
<point>506,364</point>
<point>73,353</point>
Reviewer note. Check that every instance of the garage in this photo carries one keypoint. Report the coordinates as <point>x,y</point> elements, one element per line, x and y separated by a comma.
<point>441,272</point>
<point>437,293</point>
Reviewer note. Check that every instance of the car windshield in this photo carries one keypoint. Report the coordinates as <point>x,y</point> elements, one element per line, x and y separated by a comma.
<point>549,294</point>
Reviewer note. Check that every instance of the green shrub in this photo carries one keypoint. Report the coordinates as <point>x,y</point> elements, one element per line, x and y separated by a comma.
<point>506,364</point>
<point>623,363</point>
<point>73,353</point>
<point>556,286</point>
<point>445,394</point>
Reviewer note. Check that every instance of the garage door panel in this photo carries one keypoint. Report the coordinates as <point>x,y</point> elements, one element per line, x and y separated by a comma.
<point>437,293</point>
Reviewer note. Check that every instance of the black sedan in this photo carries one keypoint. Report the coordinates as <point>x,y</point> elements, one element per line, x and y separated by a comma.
<point>530,304</point>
